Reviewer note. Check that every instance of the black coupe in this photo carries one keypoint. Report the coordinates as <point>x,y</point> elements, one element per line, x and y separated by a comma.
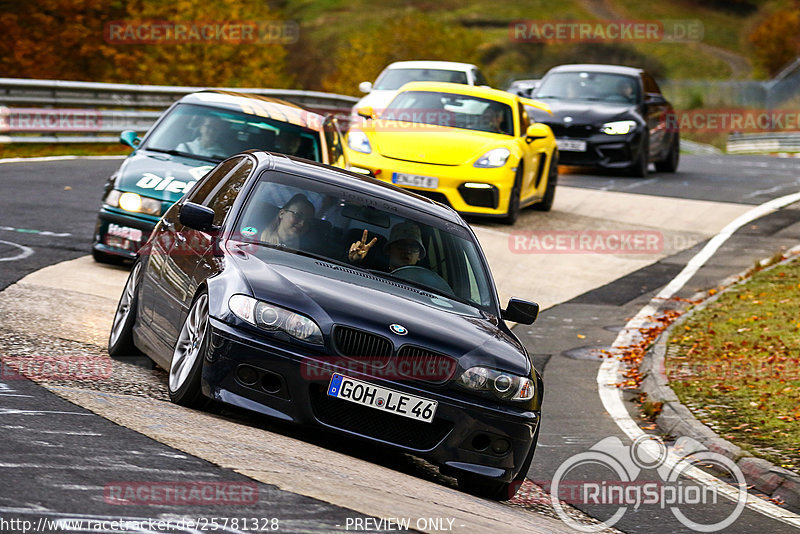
<point>326,298</point>
<point>609,116</point>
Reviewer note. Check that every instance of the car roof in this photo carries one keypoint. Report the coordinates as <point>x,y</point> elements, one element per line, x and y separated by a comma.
<point>460,88</point>
<point>425,64</point>
<point>590,67</point>
<point>263,106</point>
<point>358,182</point>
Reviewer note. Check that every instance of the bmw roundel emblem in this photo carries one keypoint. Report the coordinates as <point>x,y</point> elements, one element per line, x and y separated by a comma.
<point>398,329</point>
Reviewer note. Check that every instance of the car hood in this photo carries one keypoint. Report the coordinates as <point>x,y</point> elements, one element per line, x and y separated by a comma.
<point>584,112</point>
<point>159,175</point>
<point>333,294</point>
<point>427,143</point>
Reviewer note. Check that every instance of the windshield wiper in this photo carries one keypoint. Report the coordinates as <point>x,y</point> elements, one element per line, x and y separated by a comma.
<point>213,159</point>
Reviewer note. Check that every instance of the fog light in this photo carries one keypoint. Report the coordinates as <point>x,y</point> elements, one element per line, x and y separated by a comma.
<point>481,442</point>
<point>500,446</point>
<point>246,375</point>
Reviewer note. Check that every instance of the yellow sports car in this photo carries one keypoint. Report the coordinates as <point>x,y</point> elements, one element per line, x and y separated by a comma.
<point>473,148</point>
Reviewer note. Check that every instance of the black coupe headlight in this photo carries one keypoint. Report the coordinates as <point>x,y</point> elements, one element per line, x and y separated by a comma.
<point>274,318</point>
<point>618,127</point>
<point>504,386</point>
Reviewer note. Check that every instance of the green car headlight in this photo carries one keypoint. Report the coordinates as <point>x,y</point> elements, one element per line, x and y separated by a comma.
<point>274,318</point>
<point>133,202</point>
<point>504,386</point>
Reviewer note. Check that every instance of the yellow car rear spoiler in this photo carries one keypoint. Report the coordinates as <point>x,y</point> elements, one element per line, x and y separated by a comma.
<point>536,104</point>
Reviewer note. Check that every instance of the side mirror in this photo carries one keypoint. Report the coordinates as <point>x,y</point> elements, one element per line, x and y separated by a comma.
<point>196,217</point>
<point>521,311</point>
<point>129,137</point>
<point>537,130</point>
<point>365,87</point>
<point>655,98</point>
<point>367,112</point>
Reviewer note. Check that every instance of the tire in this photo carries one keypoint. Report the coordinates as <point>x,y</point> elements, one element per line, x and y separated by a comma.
<point>492,489</point>
<point>186,366</point>
<point>546,204</point>
<point>514,199</point>
<point>120,339</point>
<point>638,169</point>
<point>670,162</point>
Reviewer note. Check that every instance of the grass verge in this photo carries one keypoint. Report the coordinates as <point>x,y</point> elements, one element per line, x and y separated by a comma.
<point>736,364</point>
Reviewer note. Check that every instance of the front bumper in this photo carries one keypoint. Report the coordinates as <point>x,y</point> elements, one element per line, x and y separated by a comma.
<point>120,233</point>
<point>489,199</point>
<point>245,370</point>
<point>602,150</point>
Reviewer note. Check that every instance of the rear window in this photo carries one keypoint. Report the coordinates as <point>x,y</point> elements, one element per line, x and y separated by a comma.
<point>394,79</point>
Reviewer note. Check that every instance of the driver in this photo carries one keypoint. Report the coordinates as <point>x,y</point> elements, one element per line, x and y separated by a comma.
<point>403,249</point>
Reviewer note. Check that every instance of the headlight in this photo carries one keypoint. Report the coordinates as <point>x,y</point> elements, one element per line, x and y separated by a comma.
<point>133,202</point>
<point>275,318</point>
<point>494,158</point>
<point>358,141</point>
<point>618,127</point>
<point>503,385</point>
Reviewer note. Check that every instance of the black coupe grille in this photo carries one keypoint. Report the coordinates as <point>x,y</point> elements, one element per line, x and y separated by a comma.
<point>573,130</point>
<point>376,424</point>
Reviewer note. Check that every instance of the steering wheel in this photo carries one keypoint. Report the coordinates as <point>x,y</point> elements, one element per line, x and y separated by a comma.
<point>414,273</point>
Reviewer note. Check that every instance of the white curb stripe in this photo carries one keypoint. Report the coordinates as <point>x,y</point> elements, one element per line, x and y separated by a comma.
<point>610,371</point>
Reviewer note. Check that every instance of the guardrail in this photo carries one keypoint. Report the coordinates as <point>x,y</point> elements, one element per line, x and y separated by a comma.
<point>759,143</point>
<point>53,111</point>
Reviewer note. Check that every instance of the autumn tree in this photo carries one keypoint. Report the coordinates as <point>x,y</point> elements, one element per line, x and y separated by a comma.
<point>775,39</point>
<point>69,40</point>
<point>414,35</point>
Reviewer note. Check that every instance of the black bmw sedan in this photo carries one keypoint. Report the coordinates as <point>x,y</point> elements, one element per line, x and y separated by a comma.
<point>326,298</point>
<point>609,116</point>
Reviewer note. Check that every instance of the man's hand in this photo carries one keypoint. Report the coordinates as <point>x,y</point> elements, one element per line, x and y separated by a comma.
<point>358,250</point>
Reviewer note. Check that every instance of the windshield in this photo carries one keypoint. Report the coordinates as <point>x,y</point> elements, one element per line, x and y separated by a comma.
<point>594,86</point>
<point>394,79</point>
<point>403,247</point>
<point>453,110</point>
<point>214,134</point>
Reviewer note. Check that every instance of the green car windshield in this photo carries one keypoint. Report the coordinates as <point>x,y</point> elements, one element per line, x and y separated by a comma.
<point>213,134</point>
<point>313,218</point>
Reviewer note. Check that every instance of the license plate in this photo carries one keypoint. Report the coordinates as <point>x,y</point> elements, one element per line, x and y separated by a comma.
<point>571,145</point>
<point>133,234</point>
<point>380,398</point>
<point>427,182</point>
